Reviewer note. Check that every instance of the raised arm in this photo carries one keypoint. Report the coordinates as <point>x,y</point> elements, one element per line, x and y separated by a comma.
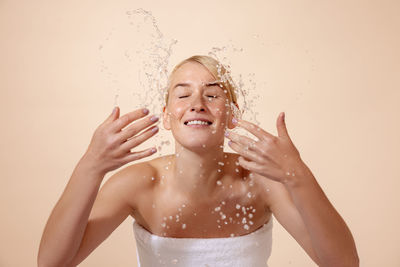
<point>296,200</point>
<point>305,212</point>
<point>68,230</point>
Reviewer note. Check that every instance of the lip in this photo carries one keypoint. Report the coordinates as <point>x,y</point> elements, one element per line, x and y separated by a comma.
<point>198,125</point>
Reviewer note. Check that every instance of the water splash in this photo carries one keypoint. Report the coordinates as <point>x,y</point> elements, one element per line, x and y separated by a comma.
<point>244,86</point>
<point>135,58</point>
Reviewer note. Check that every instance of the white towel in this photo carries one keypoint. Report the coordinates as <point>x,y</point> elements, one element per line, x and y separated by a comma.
<point>251,250</point>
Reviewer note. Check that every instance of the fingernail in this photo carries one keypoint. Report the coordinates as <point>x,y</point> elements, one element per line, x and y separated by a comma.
<point>145,111</point>
<point>154,118</point>
<point>234,121</point>
<point>226,133</point>
<point>153,150</point>
<point>155,129</point>
<point>230,142</point>
<point>114,110</point>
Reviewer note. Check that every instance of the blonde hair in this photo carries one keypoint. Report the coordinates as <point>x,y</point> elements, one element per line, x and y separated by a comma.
<point>216,69</point>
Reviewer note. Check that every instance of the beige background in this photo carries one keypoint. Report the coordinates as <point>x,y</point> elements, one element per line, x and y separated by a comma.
<point>332,66</point>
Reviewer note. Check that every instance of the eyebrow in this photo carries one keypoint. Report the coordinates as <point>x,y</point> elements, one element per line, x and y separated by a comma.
<point>180,84</point>
<point>207,84</point>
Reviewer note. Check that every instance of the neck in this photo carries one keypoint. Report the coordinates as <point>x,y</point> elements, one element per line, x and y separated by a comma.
<point>197,172</point>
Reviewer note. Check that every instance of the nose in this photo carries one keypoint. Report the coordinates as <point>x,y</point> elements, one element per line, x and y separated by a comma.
<point>197,105</point>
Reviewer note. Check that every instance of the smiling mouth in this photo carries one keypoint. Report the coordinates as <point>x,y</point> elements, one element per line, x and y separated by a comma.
<point>197,123</point>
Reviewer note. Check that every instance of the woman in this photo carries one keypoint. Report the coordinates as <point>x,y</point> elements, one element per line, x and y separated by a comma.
<point>200,206</point>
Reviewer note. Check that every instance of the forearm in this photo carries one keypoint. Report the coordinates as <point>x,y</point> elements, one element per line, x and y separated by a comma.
<point>66,225</point>
<point>331,238</point>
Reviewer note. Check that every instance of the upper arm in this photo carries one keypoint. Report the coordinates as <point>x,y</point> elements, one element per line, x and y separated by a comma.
<point>285,211</point>
<point>109,210</point>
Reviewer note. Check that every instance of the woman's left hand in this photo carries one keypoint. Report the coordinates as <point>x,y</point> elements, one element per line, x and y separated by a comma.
<point>274,157</point>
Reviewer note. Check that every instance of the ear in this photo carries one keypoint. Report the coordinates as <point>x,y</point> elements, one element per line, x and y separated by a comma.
<point>231,116</point>
<point>166,117</point>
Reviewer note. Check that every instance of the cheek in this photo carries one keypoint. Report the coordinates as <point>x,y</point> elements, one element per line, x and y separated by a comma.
<point>221,111</point>
<point>177,110</point>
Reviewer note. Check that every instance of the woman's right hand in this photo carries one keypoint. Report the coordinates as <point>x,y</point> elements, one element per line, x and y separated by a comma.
<point>110,147</point>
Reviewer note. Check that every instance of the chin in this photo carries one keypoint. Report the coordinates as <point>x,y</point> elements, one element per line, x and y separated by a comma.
<point>197,143</point>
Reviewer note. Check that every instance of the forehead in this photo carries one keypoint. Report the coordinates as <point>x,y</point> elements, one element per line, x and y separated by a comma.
<point>191,72</point>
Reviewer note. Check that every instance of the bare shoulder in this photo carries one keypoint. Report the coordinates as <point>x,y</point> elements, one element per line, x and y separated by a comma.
<point>133,182</point>
<point>267,190</point>
<point>275,193</point>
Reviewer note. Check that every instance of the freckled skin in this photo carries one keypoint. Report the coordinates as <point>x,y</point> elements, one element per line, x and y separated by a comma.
<point>199,214</point>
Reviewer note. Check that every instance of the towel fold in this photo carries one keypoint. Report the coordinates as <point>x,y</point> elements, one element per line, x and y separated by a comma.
<point>251,250</point>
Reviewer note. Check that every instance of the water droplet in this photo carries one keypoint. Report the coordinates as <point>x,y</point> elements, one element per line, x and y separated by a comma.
<point>246,227</point>
<point>183,226</point>
<point>243,210</point>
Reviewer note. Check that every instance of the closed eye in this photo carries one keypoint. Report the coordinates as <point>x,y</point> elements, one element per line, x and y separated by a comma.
<point>213,96</point>
<point>183,96</point>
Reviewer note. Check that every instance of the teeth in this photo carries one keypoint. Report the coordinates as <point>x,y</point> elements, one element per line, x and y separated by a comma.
<point>197,123</point>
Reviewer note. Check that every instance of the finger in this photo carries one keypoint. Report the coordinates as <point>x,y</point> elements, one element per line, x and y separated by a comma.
<point>132,156</point>
<point>270,173</point>
<point>244,141</point>
<point>254,129</point>
<point>245,152</point>
<point>114,114</point>
<point>128,118</point>
<point>137,140</point>
<point>250,165</point>
<point>136,127</point>
<point>281,126</point>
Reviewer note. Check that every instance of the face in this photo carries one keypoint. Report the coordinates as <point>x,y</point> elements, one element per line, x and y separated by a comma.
<point>198,108</point>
